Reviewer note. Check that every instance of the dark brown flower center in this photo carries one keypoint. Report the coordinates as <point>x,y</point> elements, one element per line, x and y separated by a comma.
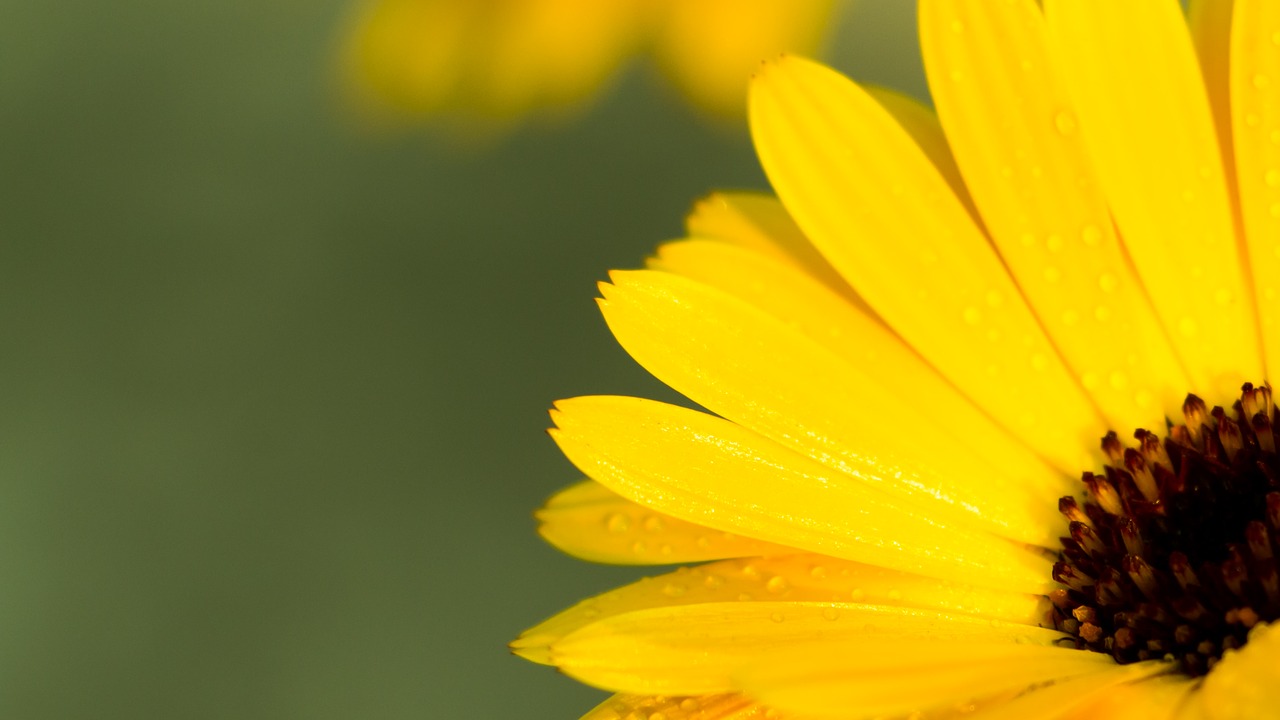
<point>1172,552</point>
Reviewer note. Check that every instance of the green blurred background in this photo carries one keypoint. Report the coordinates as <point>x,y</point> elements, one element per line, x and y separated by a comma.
<point>274,388</point>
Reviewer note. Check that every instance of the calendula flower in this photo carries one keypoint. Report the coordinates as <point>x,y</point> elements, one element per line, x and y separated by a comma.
<point>899,490</point>
<point>500,59</point>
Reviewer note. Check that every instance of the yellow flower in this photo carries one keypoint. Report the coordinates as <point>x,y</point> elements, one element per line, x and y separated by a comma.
<point>909,380</point>
<point>500,59</point>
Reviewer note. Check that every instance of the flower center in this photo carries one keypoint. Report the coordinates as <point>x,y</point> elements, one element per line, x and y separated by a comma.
<point>1171,553</point>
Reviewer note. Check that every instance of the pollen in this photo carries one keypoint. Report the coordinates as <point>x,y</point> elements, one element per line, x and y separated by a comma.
<point>1171,553</point>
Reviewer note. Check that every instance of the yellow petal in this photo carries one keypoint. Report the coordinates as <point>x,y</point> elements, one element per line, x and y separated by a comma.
<point>1255,98</point>
<point>1064,698</point>
<point>906,676</point>
<point>752,369</point>
<point>697,707</point>
<point>922,125</point>
<point>695,649</point>
<point>1144,115</point>
<point>1210,24</point>
<point>591,522</point>
<point>710,47</point>
<point>1017,142</point>
<point>712,472</point>
<point>760,223</point>
<point>876,207</point>
<point>855,334</point>
<point>1245,684</point>
<point>1158,698</point>
<point>798,578</point>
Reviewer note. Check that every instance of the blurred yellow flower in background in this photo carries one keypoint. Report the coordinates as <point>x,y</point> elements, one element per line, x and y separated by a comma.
<point>499,60</point>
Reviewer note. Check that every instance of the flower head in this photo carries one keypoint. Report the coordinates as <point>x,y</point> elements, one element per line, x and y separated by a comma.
<point>501,59</point>
<point>958,458</point>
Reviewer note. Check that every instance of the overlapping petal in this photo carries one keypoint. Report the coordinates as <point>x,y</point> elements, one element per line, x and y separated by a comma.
<point>877,208</point>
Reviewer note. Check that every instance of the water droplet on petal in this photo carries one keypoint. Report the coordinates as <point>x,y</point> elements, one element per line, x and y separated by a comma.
<point>1039,361</point>
<point>1188,326</point>
<point>1108,282</point>
<point>777,584</point>
<point>1065,121</point>
<point>972,315</point>
<point>653,523</point>
<point>617,523</point>
<point>830,613</point>
<point>1222,296</point>
<point>1102,313</point>
<point>1273,177</point>
<point>1119,381</point>
<point>1091,235</point>
<point>1070,317</point>
<point>1054,243</point>
<point>1089,381</point>
<point>1260,81</point>
<point>777,617</point>
<point>674,590</point>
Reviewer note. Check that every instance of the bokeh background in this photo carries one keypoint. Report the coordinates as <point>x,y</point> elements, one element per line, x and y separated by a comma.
<point>273,387</point>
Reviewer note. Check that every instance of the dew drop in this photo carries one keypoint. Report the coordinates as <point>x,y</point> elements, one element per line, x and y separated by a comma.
<point>712,582</point>
<point>1260,81</point>
<point>674,590</point>
<point>1006,171</point>
<point>858,594</point>
<point>994,298</point>
<point>653,523</point>
<point>1052,274</point>
<point>617,523</point>
<point>1054,243</point>
<point>1027,240</point>
<point>639,547</point>
<point>1118,380</point>
<point>830,613</point>
<point>957,26</point>
<point>1188,195</point>
<point>993,335</point>
<point>895,595</point>
<point>1039,361</point>
<point>658,716</point>
<point>777,617</point>
<point>1274,210</point>
<point>1108,282</point>
<point>1252,119</point>
<point>777,584</point>
<point>957,76</point>
<point>1091,235</point>
<point>1070,317</point>
<point>1142,399</point>
<point>665,549</point>
<point>1188,326</point>
<point>1273,177</point>
<point>1065,122</point>
<point>744,597</point>
<point>703,542</point>
<point>1275,137</point>
<point>817,572</point>
<point>1222,296</point>
<point>1102,313</point>
<point>972,315</point>
<point>1089,380</point>
<point>688,704</point>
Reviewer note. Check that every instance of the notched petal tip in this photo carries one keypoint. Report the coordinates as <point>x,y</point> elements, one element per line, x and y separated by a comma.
<point>534,648</point>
